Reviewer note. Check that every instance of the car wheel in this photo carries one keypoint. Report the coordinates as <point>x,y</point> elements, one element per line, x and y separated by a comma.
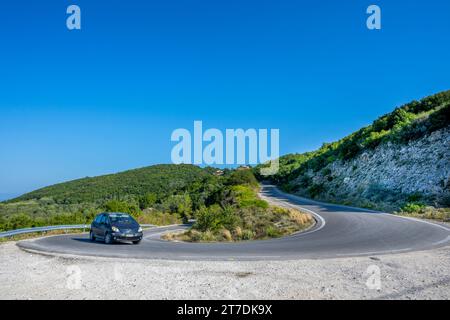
<point>91,236</point>
<point>136,242</point>
<point>108,238</point>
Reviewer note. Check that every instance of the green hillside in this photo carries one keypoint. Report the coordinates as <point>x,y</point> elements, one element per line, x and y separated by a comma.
<point>161,180</point>
<point>226,206</point>
<point>398,163</point>
<point>172,192</point>
<point>408,122</point>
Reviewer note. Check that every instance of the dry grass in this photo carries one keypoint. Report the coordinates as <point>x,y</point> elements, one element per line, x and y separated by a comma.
<point>227,235</point>
<point>300,217</point>
<point>439,214</point>
<point>263,224</point>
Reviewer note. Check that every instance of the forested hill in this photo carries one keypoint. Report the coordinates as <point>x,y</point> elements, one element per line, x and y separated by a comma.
<point>161,180</point>
<point>401,159</point>
<point>159,194</point>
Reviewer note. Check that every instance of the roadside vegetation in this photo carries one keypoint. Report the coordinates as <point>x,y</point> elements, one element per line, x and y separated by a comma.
<point>245,218</point>
<point>420,210</point>
<point>162,194</point>
<point>40,234</point>
<point>224,203</point>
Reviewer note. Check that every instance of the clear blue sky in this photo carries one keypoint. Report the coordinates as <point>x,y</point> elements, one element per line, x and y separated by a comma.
<point>106,98</point>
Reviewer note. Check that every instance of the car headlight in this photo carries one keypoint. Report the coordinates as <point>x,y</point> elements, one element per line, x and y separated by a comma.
<point>140,229</point>
<point>115,229</point>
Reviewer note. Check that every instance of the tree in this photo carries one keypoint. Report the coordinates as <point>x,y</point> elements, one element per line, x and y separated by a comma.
<point>122,206</point>
<point>147,201</point>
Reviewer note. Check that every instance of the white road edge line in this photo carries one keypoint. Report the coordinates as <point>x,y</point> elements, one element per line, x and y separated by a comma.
<point>155,235</point>
<point>442,241</point>
<point>364,211</point>
<point>420,220</point>
<point>295,206</point>
<point>288,195</point>
<point>372,253</point>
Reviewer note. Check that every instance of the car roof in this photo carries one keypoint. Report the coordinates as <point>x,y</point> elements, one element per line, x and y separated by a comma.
<point>110,213</point>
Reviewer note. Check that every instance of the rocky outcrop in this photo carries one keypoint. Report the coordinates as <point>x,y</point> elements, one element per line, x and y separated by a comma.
<point>388,176</point>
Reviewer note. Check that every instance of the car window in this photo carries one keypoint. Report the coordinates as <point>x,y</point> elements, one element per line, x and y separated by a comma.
<point>98,218</point>
<point>121,218</point>
<point>102,219</point>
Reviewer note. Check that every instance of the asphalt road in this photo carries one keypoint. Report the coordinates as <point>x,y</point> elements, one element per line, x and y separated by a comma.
<point>340,231</point>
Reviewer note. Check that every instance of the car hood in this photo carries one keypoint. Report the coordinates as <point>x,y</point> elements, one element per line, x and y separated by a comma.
<point>124,226</point>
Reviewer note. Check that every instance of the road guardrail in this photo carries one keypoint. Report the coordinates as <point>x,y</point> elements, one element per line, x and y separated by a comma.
<point>16,232</point>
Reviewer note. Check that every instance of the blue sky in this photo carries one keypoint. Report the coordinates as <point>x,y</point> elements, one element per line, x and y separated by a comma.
<point>106,98</point>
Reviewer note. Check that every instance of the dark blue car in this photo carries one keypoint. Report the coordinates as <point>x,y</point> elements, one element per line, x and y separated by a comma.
<point>116,226</point>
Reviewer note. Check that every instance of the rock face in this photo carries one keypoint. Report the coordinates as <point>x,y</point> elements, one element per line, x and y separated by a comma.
<point>389,175</point>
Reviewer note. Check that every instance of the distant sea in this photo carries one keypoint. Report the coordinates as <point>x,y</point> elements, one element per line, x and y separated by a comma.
<point>7,196</point>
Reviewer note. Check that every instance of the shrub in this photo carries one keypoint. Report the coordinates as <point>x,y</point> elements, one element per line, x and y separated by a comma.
<point>19,221</point>
<point>180,204</point>
<point>414,197</point>
<point>122,206</point>
<point>207,236</point>
<point>247,197</point>
<point>315,190</point>
<point>194,235</point>
<point>272,232</point>
<point>248,234</point>
<point>411,207</point>
<point>304,181</point>
<point>214,218</point>
<point>147,201</point>
<point>375,138</point>
<point>242,177</point>
<point>158,218</point>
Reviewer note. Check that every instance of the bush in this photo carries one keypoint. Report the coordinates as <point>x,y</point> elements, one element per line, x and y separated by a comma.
<point>247,197</point>
<point>147,201</point>
<point>19,221</point>
<point>248,234</point>
<point>122,206</point>
<point>411,207</point>
<point>315,190</point>
<point>214,218</point>
<point>207,236</point>
<point>194,235</point>
<point>241,177</point>
<point>375,138</point>
<point>179,204</point>
<point>272,232</point>
<point>158,218</point>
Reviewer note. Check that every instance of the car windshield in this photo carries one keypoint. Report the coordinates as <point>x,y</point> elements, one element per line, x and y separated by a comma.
<point>121,218</point>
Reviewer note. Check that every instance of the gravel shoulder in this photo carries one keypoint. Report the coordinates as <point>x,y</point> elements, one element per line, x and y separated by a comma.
<point>415,275</point>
